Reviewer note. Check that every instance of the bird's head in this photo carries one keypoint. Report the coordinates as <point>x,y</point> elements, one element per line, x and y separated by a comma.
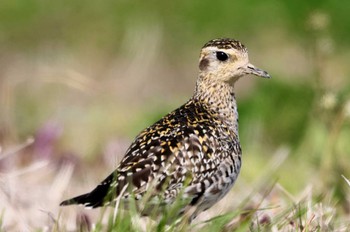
<point>227,60</point>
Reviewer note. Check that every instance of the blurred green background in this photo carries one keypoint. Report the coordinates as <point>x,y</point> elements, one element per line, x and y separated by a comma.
<point>84,77</point>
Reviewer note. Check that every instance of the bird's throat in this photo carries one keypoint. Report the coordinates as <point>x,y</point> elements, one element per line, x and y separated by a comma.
<point>220,98</point>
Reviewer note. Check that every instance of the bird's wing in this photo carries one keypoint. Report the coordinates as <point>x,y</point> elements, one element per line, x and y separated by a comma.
<point>181,148</point>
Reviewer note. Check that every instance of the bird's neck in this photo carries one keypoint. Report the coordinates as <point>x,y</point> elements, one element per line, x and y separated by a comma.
<point>220,98</point>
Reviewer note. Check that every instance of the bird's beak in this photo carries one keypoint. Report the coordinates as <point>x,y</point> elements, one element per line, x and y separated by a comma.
<point>251,69</point>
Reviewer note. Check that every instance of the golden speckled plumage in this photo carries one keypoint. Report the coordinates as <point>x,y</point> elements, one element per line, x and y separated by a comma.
<point>195,149</point>
<point>226,44</point>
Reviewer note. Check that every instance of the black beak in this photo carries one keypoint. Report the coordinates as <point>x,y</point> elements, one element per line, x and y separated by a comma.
<point>251,69</point>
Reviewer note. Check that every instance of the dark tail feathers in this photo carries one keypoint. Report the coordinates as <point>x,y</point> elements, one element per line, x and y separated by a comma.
<point>96,198</point>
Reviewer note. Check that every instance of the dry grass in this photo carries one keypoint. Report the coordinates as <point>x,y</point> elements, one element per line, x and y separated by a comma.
<point>30,195</point>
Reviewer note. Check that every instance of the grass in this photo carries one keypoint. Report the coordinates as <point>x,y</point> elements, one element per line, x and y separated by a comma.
<point>263,205</point>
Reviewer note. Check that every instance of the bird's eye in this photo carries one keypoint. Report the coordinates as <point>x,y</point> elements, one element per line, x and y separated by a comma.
<point>222,56</point>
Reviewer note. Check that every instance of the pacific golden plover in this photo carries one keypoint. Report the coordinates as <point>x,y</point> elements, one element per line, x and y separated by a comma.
<point>194,151</point>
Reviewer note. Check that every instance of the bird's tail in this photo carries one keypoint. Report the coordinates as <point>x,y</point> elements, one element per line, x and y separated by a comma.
<point>84,199</point>
<point>100,196</point>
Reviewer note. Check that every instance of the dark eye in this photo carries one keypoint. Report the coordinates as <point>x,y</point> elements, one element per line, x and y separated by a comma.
<point>221,56</point>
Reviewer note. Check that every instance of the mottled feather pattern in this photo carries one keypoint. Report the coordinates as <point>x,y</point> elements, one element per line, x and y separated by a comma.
<point>183,139</point>
<point>192,143</point>
<point>226,43</point>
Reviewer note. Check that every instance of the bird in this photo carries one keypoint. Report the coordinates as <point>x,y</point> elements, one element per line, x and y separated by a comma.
<point>192,153</point>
